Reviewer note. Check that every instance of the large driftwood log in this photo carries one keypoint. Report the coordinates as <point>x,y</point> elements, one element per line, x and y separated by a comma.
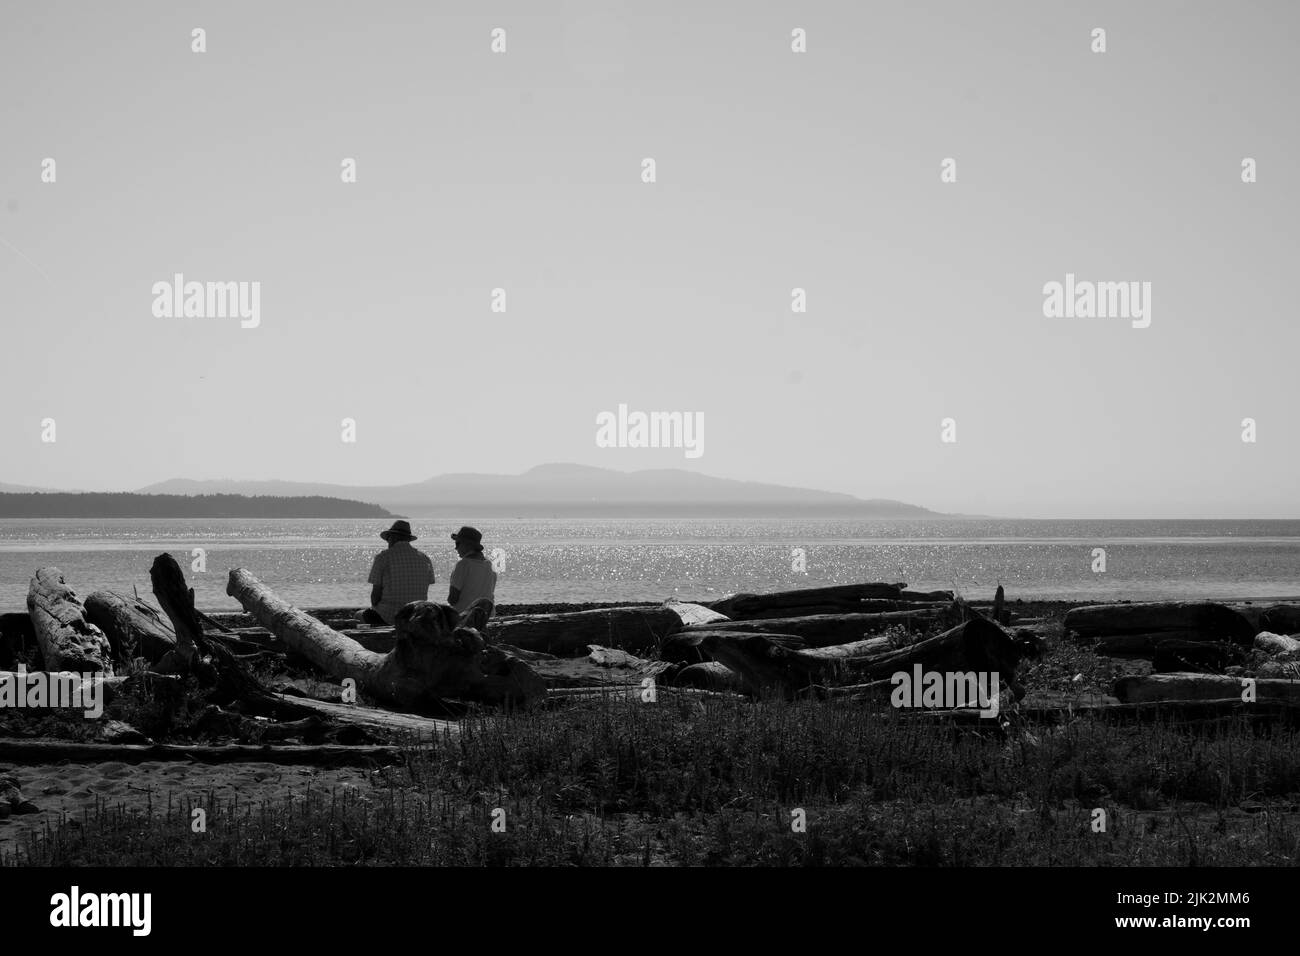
<point>134,628</point>
<point>845,596</point>
<point>381,640</point>
<point>432,659</point>
<point>1206,620</point>
<point>68,641</point>
<point>372,718</point>
<point>1168,687</point>
<point>1162,712</point>
<point>569,634</point>
<point>823,630</point>
<point>850,653</point>
<point>869,606</point>
<point>977,645</point>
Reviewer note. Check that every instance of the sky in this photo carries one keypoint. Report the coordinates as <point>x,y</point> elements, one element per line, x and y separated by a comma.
<point>774,170</point>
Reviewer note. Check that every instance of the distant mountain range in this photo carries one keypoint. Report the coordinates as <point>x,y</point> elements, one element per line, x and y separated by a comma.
<point>128,505</point>
<point>577,490</point>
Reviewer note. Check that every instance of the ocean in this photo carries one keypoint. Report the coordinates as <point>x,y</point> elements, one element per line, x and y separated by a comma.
<point>325,562</point>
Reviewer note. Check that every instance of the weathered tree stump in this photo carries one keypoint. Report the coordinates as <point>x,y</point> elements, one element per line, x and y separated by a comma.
<point>177,601</point>
<point>68,641</point>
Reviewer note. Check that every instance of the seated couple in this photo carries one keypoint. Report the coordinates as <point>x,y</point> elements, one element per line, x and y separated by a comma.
<point>402,574</point>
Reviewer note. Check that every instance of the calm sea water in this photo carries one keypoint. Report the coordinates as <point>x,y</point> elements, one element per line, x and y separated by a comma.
<point>325,562</point>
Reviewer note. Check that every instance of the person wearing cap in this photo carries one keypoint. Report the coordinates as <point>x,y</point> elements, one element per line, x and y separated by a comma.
<point>473,578</point>
<point>399,576</point>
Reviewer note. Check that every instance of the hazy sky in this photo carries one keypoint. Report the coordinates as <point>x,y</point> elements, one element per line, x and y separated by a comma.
<point>775,170</point>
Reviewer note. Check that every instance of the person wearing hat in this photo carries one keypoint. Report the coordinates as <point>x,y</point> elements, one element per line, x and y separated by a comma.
<point>473,578</point>
<point>399,575</point>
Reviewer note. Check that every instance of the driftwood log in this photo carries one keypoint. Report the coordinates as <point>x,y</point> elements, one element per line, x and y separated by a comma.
<point>1202,620</point>
<point>538,631</point>
<point>1145,644</point>
<point>372,718</point>
<point>134,628</point>
<point>1161,712</point>
<point>432,659</point>
<point>569,634</point>
<point>868,606</point>
<point>1279,645</point>
<point>381,640</point>
<point>823,630</point>
<point>843,597</point>
<point>1187,687</point>
<point>68,641</point>
<point>977,646</point>
<point>177,601</point>
<point>931,596</point>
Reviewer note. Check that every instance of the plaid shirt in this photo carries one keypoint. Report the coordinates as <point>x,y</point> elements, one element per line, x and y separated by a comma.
<point>405,575</point>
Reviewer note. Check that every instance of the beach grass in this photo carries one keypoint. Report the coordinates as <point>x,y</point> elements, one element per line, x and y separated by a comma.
<point>697,780</point>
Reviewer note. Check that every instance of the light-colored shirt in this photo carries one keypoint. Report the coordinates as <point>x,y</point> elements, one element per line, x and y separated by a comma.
<point>405,575</point>
<point>475,578</point>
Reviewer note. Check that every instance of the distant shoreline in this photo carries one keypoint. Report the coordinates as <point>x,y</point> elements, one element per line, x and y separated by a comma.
<point>102,505</point>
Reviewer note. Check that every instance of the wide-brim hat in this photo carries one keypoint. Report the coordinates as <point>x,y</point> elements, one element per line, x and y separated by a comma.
<point>471,535</point>
<point>400,530</point>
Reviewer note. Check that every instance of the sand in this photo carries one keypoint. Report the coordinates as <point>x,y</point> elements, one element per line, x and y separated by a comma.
<point>74,788</point>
